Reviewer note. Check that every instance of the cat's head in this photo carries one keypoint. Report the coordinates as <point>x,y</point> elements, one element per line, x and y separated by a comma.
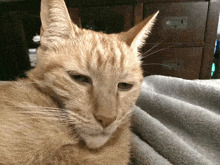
<point>96,77</point>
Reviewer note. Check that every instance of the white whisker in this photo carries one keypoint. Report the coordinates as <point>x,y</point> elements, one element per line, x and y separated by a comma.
<point>50,112</point>
<point>122,119</point>
<point>77,116</point>
<point>160,64</point>
<point>148,72</point>
<point>153,47</point>
<point>156,51</point>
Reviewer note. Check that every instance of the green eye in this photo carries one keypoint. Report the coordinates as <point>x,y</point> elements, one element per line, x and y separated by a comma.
<point>124,86</point>
<point>80,78</point>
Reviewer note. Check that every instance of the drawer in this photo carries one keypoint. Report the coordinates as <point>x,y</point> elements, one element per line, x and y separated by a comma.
<point>178,21</point>
<point>109,19</point>
<point>177,62</point>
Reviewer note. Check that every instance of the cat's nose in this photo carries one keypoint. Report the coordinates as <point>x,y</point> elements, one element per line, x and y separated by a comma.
<point>104,121</point>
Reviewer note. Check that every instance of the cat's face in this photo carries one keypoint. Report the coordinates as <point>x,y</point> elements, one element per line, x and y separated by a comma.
<point>95,77</point>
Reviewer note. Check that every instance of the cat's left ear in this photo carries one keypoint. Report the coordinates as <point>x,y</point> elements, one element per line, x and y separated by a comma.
<point>135,37</point>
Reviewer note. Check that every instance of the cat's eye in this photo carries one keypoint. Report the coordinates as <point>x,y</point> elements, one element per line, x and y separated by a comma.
<point>80,78</point>
<point>124,86</point>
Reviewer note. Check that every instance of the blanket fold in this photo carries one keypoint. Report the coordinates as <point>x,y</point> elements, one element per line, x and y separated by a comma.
<point>176,122</point>
<point>179,119</point>
<point>139,151</point>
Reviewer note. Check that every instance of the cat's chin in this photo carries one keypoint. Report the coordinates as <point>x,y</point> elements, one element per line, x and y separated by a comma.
<point>96,141</point>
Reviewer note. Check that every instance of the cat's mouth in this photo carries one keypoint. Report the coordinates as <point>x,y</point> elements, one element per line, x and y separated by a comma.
<point>95,141</point>
<point>98,139</point>
<point>92,132</point>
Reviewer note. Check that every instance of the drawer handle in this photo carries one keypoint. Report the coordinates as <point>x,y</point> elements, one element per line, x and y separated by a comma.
<point>175,22</point>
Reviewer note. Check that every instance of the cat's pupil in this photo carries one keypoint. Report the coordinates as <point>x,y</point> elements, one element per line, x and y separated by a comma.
<point>80,78</point>
<point>125,86</point>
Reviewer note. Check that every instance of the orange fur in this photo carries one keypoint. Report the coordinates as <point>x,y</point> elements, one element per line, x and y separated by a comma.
<point>52,118</point>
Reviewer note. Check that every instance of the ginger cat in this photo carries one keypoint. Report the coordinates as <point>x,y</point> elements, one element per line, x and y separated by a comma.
<point>75,106</point>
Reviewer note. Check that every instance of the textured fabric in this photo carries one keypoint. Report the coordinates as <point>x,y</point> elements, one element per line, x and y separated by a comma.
<point>177,121</point>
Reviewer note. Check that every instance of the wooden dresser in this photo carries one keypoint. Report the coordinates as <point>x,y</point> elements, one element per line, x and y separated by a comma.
<point>181,43</point>
<point>185,34</point>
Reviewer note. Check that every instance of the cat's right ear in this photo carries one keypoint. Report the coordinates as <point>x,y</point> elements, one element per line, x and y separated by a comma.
<point>135,37</point>
<point>56,23</point>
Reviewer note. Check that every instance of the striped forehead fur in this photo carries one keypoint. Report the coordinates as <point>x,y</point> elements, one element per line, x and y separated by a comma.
<point>105,52</point>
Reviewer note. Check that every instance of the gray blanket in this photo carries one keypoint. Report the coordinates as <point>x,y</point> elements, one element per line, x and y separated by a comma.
<point>177,121</point>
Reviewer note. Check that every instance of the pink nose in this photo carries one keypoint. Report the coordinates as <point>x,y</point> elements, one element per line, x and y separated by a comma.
<point>104,121</point>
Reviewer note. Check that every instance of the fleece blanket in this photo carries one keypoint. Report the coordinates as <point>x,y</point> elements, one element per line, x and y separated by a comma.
<point>177,121</point>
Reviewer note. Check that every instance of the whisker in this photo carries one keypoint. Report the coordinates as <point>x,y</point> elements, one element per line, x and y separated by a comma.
<point>156,51</point>
<point>42,117</point>
<point>5,82</point>
<point>54,109</point>
<point>148,72</point>
<point>44,112</point>
<point>127,114</point>
<point>160,64</point>
<point>73,114</point>
<point>124,117</point>
<point>50,108</point>
<point>153,47</point>
<point>29,83</point>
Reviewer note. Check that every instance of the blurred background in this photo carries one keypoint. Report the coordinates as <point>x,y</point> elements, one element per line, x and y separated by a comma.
<point>183,43</point>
